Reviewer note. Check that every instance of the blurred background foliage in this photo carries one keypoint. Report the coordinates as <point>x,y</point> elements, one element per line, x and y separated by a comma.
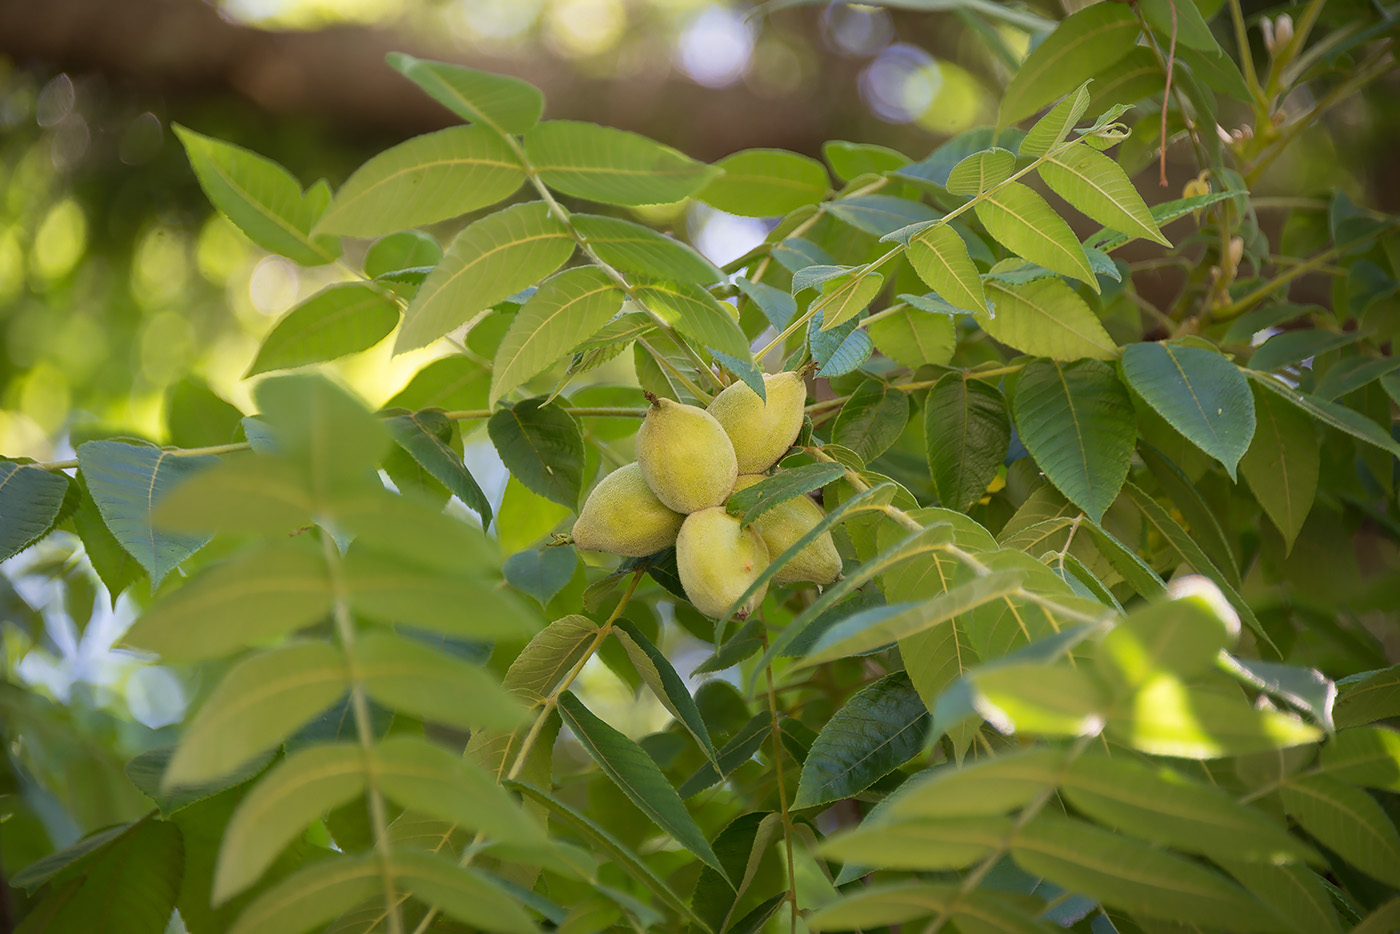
<point>128,308</point>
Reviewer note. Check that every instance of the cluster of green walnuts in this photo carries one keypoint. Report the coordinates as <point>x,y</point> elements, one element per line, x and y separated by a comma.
<point>689,461</point>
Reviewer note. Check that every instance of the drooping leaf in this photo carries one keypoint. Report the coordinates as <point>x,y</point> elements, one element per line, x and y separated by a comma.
<point>1076,421</point>
<point>981,171</point>
<point>740,749</point>
<point>540,666</point>
<point>489,261</point>
<point>967,430</point>
<point>697,314</point>
<point>30,499</point>
<point>127,481</point>
<point>427,179</point>
<point>566,309</point>
<point>260,702</point>
<point>542,447</point>
<point>1134,876</point>
<point>340,320</point>
<point>412,676</point>
<point>279,808</point>
<point>876,731</point>
<point>1164,213</point>
<point>421,434</point>
<point>1199,392</point>
<point>840,350</point>
<point>1045,317</point>
<point>665,684</point>
<point>634,772</point>
<point>505,104</point>
<point>1024,223</point>
<point>1332,414</point>
<point>261,198</point>
<point>765,183</point>
<point>612,166</point>
<point>634,248</point>
<point>1094,183</point>
<point>1282,463</point>
<point>940,257</point>
<point>1083,43</point>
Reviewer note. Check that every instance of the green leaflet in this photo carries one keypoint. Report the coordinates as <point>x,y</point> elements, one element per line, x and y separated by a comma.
<point>1038,699</point>
<point>1371,696</point>
<point>566,310</point>
<point>30,499</point>
<point>1050,130</point>
<point>914,337</point>
<point>412,676</point>
<point>765,183</point>
<point>612,166</point>
<point>339,320</point>
<point>930,844</point>
<point>940,257</point>
<point>542,447</point>
<point>1183,635</point>
<point>542,664</point>
<point>879,626</point>
<point>1165,808</point>
<point>1199,392</point>
<point>1021,221</point>
<point>1045,317</point>
<point>1282,463</point>
<point>505,104</point>
<point>967,430</point>
<point>980,171</point>
<point>489,261</point>
<point>126,481</point>
<point>638,777</point>
<point>540,572</point>
<point>261,198</point>
<point>260,702</point>
<point>1368,756</point>
<point>461,892</point>
<point>1076,421</point>
<point>1135,876</point>
<point>844,297</point>
<point>427,179</point>
<point>279,808</point>
<point>696,313</point>
<point>272,591</point>
<point>1295,893</point>
<point>750,503</point>
<point>312,896</point>
<point>1095,184</point>
<point>634,248</point>
<point>1082,45</point>
<point>1331,414</point>
<point>872,419</point>
<point>880,728</point>
<point>665,684</point>
<point>1348,821</point>
<point>880,215</point>
<point>425,437</point>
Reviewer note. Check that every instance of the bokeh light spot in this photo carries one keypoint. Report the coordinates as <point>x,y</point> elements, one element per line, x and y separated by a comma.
<point>715,47</point>
<point>60,241</point>
<point>901,83</point>
<point>585,27</point>
<point>273,285</point>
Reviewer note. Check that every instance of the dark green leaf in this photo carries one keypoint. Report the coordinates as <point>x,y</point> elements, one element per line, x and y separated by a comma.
<point>742,747</point>
<point>1199,392</point>
<point>1076,421</point>
<point>421,434</point>
<point>1370,697</point>
<point>542,447</point>
<point>750,503</point>
<point>638,777</point>
<point>876,731</point>
<point>30,498</point>
<point>196,417</point>
<point>1347,820</point>
<point>872,419</point>
<point>967,430</point>
<point>879,215</point>
<point>664,683</point>
<point>541,573</point>
<point>126,481</point>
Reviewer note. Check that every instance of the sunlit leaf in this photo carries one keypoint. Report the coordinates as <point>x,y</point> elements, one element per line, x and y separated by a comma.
<point>339,320</point>
<point>940,257</point>
<point>505,104</point>
<point>612,166</point>
<point>981,171</point>
<point>765,183</point>
<point>1021,221</point>
<point>1095,184</point>
<point>1047,318</point>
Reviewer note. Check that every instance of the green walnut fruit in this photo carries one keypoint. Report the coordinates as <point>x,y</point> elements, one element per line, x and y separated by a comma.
<point>761,432</point>
<point>685,456</point>
<point>783,525</point>
<point>718,560</point>
<point>623,516</point>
